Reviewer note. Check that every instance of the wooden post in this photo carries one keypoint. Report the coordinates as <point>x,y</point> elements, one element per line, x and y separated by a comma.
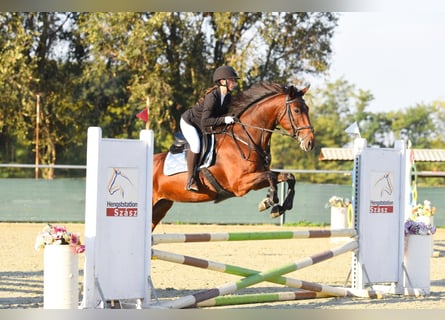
<point>147,106</point>
<point>37,137</point>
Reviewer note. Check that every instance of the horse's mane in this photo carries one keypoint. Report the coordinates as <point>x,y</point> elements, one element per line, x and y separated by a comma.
<point>255,93</point>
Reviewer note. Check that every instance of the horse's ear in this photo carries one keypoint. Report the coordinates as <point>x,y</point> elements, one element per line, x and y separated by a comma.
<point>304,89</point>
<point>291,90</point>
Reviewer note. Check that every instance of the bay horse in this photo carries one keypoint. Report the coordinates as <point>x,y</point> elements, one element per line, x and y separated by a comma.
<point>243,152</point>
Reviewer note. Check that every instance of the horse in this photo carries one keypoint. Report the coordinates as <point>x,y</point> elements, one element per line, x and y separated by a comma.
<point>242,152</point>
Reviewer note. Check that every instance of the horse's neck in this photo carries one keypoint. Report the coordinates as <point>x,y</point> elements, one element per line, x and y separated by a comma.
<point>261,119</point>
<point>264,115</point>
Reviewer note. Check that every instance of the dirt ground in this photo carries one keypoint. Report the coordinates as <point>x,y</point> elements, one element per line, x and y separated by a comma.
<point>21,268</point>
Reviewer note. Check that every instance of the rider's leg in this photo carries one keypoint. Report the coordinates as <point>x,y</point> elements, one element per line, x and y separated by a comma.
<point>192,136</point>
<point>192,162</point>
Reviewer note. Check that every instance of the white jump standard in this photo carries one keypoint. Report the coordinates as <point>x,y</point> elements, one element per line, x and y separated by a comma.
<point>381,184</point>
<point>118,220</point>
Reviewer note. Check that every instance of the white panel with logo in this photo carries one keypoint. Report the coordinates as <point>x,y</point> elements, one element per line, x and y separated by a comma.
<point>117,219</point>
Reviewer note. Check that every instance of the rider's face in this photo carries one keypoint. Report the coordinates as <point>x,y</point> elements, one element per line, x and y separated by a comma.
<point>231,84</point>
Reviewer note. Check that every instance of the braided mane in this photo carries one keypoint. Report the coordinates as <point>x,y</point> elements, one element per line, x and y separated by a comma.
<point>255,93</point>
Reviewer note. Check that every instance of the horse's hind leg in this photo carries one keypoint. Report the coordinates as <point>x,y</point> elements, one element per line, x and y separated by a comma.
<point>288,201</point>
<point>160,209</point>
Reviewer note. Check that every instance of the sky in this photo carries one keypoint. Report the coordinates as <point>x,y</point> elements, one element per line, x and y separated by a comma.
<point>398,57</point>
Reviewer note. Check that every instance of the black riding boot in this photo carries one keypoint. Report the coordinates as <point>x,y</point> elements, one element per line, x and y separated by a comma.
<point>192,162</point>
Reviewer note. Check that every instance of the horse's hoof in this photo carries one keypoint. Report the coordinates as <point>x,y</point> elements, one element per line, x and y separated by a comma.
<point>265,204</point>
<point>276,211</point>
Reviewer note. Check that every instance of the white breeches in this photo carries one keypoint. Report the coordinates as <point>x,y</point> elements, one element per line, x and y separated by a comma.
<point>191,135</point>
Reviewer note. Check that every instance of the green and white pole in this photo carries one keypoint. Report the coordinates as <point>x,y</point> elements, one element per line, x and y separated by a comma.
<point>231,287</point>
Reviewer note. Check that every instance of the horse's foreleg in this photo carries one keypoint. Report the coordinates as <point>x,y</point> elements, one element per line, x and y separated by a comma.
<point>288,201</point>
<point>272,196</point>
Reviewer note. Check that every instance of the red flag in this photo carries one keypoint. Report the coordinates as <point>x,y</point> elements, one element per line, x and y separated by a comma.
<point>143,115</point>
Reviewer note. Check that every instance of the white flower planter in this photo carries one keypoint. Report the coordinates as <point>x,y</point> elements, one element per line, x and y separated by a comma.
<point>60,277</point>
<point>417,262</point>
<point>428,220</point>
<point>339,218</point>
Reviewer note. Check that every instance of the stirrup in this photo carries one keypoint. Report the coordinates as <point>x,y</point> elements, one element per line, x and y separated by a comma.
<point>192,185</point>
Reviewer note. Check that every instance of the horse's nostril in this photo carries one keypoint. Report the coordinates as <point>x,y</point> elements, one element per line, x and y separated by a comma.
<point>310,145</point>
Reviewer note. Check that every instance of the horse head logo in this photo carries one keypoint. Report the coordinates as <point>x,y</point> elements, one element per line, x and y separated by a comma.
<point>384,184</point>
<point>118,183</point>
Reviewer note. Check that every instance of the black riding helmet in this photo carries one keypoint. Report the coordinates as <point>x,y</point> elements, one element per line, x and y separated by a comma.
<point>224,72</point>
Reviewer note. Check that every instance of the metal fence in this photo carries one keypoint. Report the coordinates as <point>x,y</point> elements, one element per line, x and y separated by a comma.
<point>63,200</point>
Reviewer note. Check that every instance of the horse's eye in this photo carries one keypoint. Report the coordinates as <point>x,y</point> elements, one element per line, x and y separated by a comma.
<point>297,110</point>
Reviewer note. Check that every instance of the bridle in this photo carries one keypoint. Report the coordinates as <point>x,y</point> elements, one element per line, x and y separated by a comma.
<point>288,112</point>
<point>295,129</point>
<point>265,154</point>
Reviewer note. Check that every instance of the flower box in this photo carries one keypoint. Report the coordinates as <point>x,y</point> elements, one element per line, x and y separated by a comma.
<point>417,262</point>
<point>339,218</point>
<point>60,267</point>
<point>339,213</point>
<point>60,277</point>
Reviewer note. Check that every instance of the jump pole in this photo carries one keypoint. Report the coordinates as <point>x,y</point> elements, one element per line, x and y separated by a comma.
<point>231,287</point>
<point>249,236</point>
<point>326,290</point>
<point>261,298</point>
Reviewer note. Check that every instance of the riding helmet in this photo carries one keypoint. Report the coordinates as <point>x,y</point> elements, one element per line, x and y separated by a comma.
<point>224,72</point>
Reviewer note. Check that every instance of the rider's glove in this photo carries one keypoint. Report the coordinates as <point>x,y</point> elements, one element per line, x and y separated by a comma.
<point>228,120</point>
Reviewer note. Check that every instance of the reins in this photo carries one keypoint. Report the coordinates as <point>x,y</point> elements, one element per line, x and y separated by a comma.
<point>250,142</point>
<point>280,131</point>
<point>265,154</point>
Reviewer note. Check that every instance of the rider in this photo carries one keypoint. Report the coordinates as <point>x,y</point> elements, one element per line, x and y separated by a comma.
<point>209,111</point>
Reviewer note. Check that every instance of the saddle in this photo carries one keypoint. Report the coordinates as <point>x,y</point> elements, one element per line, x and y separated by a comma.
<point>179,144</point>
<point>175,162</point>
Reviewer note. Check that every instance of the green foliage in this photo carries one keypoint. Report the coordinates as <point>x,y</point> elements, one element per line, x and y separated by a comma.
<point>337,105</point>
<point>100,69</point>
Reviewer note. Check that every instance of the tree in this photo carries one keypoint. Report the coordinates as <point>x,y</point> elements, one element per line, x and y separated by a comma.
<point>55,74</point>
<point>16,96</point>
<point>438,118</point>
<point>333,108</point>
<point>414,124</point>
<point>170,58</point>
<point>295,44</point>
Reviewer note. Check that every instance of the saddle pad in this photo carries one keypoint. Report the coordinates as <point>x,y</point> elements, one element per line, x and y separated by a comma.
<point>177,163</point>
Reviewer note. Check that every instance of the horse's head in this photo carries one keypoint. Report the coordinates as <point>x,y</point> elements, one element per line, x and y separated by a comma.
<point>278,105</point>
<point>295,118</point>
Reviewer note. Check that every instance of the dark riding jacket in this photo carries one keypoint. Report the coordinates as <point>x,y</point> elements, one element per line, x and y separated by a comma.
<point>208,113</point>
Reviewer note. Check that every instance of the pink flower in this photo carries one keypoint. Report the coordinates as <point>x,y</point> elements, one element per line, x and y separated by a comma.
<point>74,239</point>
<point>58,235</point>
<point>59,229</point>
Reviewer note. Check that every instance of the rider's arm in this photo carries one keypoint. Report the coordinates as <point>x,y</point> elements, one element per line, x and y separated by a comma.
<point>212,113</point>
